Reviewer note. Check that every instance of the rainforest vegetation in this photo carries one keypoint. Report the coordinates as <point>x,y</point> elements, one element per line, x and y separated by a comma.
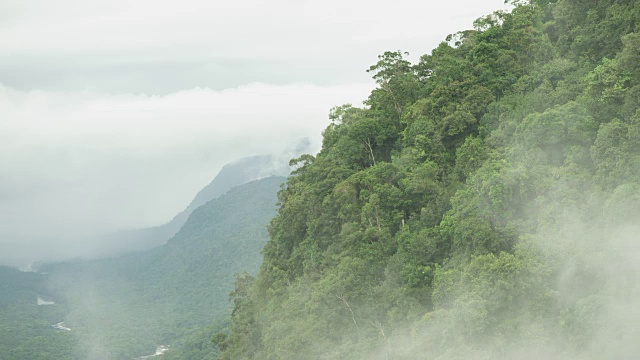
<point>482,203</point>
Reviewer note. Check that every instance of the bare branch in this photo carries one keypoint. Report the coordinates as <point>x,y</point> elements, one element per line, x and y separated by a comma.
<point>353,317</point>
<point>368,146</point>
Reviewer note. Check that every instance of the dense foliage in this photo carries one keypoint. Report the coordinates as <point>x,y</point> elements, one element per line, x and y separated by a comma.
<point>484,203</point>
<point>26,330</point>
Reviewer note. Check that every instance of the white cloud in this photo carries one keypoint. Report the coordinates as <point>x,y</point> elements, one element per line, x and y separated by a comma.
<point>203,27</point>
<point>91,43</point>
<point>82,149</point>
<point>83,162</point>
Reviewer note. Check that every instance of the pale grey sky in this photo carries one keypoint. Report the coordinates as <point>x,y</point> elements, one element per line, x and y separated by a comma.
<point>164,46</point>
<point>114,113</point>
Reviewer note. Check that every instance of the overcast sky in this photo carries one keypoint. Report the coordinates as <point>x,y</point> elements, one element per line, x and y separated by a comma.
<point>114,113</point>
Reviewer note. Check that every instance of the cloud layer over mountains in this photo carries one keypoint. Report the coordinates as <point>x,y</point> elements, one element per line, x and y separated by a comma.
<point>113,114</point>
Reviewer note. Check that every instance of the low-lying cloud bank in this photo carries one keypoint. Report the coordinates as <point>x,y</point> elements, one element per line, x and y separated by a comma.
<point>80,163</point>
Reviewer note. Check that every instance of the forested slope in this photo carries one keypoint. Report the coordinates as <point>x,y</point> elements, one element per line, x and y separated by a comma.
<point>484,203</point>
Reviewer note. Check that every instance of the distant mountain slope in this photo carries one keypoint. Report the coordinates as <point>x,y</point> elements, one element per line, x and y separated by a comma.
<point>124,307</point>
<point>237,173</point>
<point>233,174</point>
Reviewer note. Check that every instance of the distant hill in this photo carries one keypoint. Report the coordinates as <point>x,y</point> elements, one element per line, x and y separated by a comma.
<point>233,174</point>
<point>126,306</point>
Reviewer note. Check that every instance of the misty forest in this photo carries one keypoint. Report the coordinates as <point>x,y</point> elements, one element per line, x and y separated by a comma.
<point>482,203</point>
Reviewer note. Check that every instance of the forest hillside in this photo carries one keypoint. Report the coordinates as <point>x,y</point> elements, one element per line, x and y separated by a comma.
<point>484,203</point>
